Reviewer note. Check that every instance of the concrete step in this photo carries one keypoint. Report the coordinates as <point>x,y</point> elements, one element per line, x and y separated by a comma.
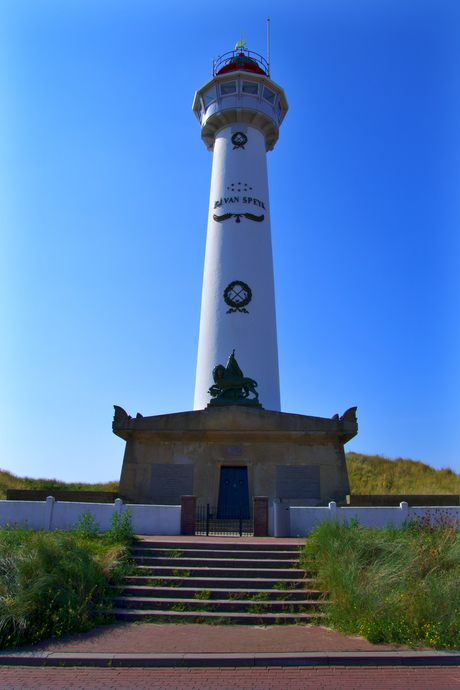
<point>213,562</point>
<point>213,582</point>
<point>178,571</point>
<point>216,618</point>
<point>210,545</point>
<point>216,554</point>
<point>286,595</point>
<point>244,583</point>
<point>154,603</point>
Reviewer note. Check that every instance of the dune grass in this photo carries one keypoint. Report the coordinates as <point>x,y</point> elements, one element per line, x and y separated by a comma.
<point>55,583</point>
<point>389,585</point>
<point>8,480</point>
<point>368,474</point>
<point>375,474</point>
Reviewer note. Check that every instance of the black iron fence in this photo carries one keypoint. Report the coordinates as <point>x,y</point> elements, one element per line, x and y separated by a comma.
<point>225,520</point>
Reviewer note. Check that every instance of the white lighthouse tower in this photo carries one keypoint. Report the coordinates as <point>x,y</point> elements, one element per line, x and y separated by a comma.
<point>233,451</point>
<point>240,110</point>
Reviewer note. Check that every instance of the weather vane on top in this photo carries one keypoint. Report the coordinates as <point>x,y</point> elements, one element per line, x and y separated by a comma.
<point>240,43</point>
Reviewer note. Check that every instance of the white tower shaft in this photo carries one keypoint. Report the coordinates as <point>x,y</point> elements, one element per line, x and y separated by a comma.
<point>240,110</point>
<point>239,250</point>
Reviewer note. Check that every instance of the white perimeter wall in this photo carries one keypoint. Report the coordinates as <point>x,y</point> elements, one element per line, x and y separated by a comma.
<point>303,520</point>
<point>165,520</point>
<point>51,514</point>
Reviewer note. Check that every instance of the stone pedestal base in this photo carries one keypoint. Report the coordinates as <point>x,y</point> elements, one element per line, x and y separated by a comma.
<point>286,455</point>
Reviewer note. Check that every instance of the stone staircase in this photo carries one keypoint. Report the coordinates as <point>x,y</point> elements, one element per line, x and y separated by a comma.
<point>215,582</point>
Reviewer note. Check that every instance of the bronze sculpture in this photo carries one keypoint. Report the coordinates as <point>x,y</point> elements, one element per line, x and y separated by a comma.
<point>230,386</point>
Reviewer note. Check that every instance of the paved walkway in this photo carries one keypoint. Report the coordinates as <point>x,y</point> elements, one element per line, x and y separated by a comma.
<point>314,678</point>
<point>145,638</point>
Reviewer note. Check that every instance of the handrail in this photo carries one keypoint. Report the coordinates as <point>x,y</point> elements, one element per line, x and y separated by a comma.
<point>223,59</point>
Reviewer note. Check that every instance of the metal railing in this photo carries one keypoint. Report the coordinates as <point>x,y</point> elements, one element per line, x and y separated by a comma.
<point>224,520</point>
<point>222,60</point>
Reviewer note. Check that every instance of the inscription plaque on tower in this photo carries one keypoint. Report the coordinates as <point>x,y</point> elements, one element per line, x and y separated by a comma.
<point>171,480</point>
<point>297,481</point>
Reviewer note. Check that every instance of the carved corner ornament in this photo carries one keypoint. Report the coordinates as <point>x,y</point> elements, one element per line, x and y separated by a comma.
<point>120,414</point>
<point>349,415</point>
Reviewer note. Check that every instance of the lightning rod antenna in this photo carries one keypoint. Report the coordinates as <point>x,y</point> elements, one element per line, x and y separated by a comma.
<point>268,45</point>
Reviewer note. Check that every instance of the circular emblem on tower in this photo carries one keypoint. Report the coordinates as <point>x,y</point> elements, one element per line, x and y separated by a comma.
<point>237,295</point>
<point>239,139</point>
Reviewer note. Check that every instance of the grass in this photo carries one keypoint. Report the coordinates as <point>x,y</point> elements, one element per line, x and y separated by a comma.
<point>203,594</point>
<point>368,474</point>
<point>375,474</point>
<point>390,585</point>
<point>54,583</point>
<point>8,480</point>
<point>172,553</point>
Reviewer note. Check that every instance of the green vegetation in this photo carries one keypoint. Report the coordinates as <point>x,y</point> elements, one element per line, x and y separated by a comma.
<point>8,480</point>
<point>121,528</point>
<point>262,596</point>
<point>55,583</point>
<point>369,474</point>
<point>173,553</point>
<point>203,594</point>
<point>234,596</point>
<point>374,474</point>
<point>390,585</point>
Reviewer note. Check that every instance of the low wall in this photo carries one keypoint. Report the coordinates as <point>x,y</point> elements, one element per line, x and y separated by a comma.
<point>303,520</point>
<point>51,514</point>
<point>165,520</point>
<point>61,495</point>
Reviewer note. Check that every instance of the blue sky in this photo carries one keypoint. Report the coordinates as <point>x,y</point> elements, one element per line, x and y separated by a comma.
<point>104,185</point>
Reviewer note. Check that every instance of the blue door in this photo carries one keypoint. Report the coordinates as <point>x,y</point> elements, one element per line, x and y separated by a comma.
<point>233,492</point>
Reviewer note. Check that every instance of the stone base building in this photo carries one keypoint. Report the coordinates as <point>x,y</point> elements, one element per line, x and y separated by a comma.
<point>226,455</point>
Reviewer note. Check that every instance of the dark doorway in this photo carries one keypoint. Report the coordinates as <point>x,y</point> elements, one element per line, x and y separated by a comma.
<point>233,492</point>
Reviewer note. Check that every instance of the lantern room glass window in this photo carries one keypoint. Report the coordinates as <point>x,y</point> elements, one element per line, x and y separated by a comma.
<point>209,96</point>
<point>269,95</point>
<point>250,87</point>
<point>227,88</point>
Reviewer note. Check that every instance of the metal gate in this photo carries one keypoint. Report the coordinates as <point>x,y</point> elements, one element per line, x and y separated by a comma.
<point>232,521</point>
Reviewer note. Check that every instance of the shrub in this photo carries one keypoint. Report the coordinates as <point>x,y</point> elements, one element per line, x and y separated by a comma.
<point>121,529</point>
<point>86,525</point>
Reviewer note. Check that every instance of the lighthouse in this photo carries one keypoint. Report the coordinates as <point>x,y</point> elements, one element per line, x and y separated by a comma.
<point>236,450</point>
<point>240,110</point>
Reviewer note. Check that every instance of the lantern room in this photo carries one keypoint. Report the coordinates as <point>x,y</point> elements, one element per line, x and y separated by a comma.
<point>240,91</point>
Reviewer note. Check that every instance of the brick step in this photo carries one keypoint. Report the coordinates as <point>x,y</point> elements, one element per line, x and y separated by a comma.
<point>287,595</point>
<point>211,545</point>
<point>212,582</point>
<point>210,554</point>
<point>213,563</point>
<point>154,603</point>
<point>247,573</point>
<point>216,618</point>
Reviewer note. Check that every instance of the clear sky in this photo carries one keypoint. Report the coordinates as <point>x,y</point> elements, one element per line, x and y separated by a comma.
<point>104,185</point>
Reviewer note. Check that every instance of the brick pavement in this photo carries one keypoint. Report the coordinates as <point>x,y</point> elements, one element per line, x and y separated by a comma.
<point>145,638</point>
<point>313,678</point>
